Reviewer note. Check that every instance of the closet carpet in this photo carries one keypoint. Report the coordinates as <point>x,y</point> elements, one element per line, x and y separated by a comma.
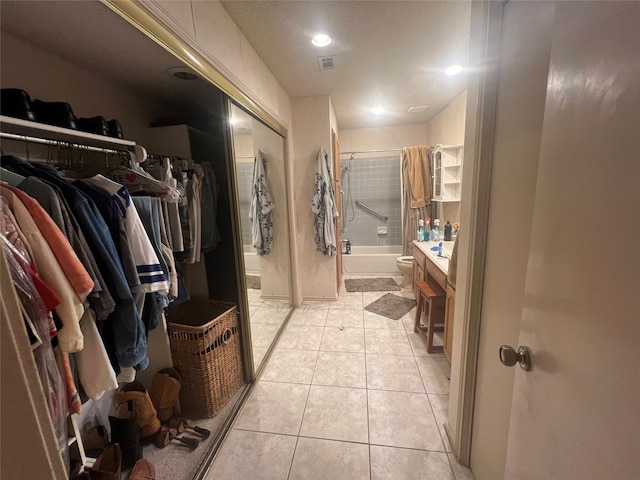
<point>176,461</point>
<point>346,394</point>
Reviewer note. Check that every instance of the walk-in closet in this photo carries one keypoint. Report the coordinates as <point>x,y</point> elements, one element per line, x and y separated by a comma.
<point>146,265</point>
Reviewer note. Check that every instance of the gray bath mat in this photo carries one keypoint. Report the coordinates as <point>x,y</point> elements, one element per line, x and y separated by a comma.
<point>253,281</point>
<point>391,306</point>
<point>383,284</point>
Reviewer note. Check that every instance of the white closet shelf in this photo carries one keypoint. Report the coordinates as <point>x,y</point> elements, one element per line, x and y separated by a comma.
<point>17,126</point>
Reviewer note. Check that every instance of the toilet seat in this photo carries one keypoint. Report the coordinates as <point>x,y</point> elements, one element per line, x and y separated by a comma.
<point>405,259</point>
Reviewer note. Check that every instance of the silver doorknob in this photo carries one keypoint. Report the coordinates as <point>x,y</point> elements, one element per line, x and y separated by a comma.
<point>509,357</point>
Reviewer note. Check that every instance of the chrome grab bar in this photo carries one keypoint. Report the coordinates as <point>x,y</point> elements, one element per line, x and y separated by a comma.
<point>371,211</point>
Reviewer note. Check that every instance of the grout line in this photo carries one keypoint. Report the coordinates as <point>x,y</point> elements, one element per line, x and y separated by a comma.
<point>366,383</point>
<point>293,456</point>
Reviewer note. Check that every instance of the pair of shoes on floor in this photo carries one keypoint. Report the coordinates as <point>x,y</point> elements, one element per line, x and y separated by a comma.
<point>144,412</point>
<point>108,467</point>
<point>125,431</point>
<point>164,392</point>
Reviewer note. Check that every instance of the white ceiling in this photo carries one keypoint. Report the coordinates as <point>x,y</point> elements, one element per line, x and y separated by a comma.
<point>391,52</point>
<point>387,52</point>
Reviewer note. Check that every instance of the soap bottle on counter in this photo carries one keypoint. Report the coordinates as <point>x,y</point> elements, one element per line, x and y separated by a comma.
<point>447,232</point>
<point>435,233</point>
<point>420,236</point>
<point>427,229</point>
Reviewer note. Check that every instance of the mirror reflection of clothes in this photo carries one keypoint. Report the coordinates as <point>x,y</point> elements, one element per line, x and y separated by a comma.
<point>262,205</point>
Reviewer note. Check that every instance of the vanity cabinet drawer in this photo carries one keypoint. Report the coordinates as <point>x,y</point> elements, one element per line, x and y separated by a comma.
<point>435,274</point>
<point>419,256</point>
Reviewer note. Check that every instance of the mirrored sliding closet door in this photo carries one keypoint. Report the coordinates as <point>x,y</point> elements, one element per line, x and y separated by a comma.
<point>260,170</point>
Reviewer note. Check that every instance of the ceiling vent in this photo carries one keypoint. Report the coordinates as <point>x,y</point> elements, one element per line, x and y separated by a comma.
<point>418,108</point>
<point>326,63</point>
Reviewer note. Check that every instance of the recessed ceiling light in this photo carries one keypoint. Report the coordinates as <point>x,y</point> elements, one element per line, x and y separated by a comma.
<point>182,73</point>
<point>377,110</point>
<point>453,69</point>
<point>321,40</point>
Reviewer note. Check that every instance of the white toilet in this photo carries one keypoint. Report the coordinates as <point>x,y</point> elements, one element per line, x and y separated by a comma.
<point>405,265</point>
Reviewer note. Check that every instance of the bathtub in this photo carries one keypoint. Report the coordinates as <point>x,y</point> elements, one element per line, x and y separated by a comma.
<point>380,260</point>
<point>251,261</point>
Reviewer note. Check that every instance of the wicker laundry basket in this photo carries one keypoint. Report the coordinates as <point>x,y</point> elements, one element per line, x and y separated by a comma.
<point>205,346</point>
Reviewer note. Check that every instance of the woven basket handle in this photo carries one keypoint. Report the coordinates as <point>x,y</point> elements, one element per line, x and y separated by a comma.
<point>227,335</point>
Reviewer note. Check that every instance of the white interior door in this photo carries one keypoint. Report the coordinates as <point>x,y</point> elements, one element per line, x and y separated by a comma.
<point>525,48</point>
<point>576,415</point>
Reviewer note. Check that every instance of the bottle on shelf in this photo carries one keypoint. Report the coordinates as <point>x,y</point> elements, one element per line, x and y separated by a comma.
<point>435,233</point>
<point>427,229</point>
<point>447,232</point>
<point>420,236</point>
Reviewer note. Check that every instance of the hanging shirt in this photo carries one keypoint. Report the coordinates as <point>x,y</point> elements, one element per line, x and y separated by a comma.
<point>70,309</point>
<point>323,205</point>
<point>124,328</point>
<point>67,258</point>
<point>262,205</point>
<point>150,272</point>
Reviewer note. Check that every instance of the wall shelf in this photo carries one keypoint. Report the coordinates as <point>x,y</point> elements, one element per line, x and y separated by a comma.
<point>447,174</point>
<point>17,126</point>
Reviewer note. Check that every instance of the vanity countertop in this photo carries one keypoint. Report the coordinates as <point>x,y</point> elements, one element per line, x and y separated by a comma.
<point>441,262</point>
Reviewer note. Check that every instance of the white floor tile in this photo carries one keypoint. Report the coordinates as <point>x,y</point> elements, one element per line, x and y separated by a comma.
<point>292,366</point>
<point>340,369</point>
<point>399,419</point>
<point>433,375</point>
<point>312,317</point>
<point>336,413</point>
<point>336,339</point>
<point>387,342</point>
<point>349,387</point>
<point>344,317</point>
<point>250,455</point>
<point>299,337</point>
<point>399,463</point>
<point>373,320</point>
<point>263,334</point>
<point>274,408</point>
<point>393,372</point>
<point>317,459</point>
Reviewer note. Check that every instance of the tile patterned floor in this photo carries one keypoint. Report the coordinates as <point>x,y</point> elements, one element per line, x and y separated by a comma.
<point>346,394</point>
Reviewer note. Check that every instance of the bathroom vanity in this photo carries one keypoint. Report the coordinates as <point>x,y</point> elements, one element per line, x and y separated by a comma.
<point>428,266</point>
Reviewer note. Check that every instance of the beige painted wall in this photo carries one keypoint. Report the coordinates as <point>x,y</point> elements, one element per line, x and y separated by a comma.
<point>447,128</point>
<point>382,138</point>
<point>312,120</point>
<point>25,66</point>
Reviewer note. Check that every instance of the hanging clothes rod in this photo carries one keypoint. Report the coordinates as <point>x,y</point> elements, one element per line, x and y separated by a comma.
<point>56,143</point>
<point>245,156</point>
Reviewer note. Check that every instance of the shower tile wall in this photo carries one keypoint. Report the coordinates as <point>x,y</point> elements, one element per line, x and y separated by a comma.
<point>244,172</point>
<point>376,183</point>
